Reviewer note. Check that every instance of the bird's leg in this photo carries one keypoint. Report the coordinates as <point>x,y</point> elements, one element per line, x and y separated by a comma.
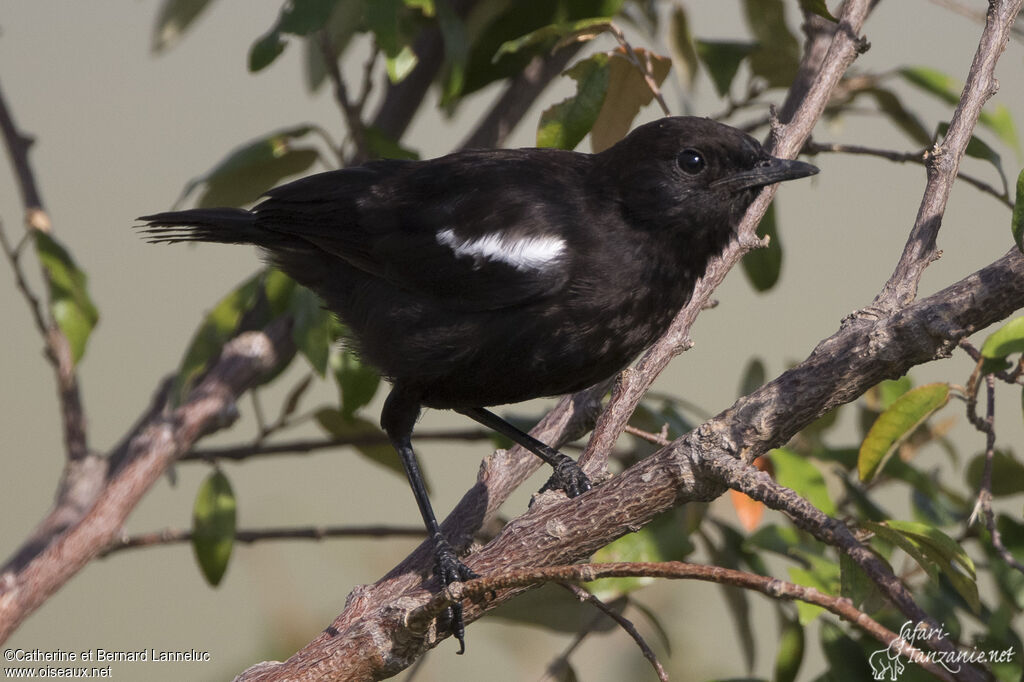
<point>568,476</point>
<point>397,419</point>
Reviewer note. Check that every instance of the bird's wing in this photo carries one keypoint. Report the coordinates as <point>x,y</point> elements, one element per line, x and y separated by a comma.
<point>475,231</point>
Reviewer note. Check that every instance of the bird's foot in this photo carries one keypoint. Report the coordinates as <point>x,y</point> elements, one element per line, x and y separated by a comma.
<point>568,477</point>
<point>450,570</point>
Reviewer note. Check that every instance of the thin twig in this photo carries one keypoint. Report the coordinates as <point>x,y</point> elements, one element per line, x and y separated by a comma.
<point>240,452</point>
<point>919,157</point>
<point>58,348</point>
<point>944,161</point>
<point>987,426</point>
<point>842,607</point>
<point>642,65</point>
<point>556,670</point>
<point>35,306</point>
<point>171,536</point>
<point>1011,377</point>
<point>974,14</point>
<point>658,439</point>
<point>351,111</point>
<point>144,455</point>
<point>623,622</point>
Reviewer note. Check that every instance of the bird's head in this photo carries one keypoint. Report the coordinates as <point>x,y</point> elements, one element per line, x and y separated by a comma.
<point>691,175</point>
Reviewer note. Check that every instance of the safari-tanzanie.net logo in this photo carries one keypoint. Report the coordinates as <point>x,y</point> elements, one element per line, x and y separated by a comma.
<point>890,662</point>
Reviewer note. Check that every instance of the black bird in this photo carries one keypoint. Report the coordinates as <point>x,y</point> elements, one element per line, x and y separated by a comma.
<point>490,277</point>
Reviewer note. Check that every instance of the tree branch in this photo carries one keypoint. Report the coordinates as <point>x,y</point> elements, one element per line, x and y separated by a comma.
<point>944,161</point>
<point>172,536</point>
<point>813,147</point>
<point>135,465</point>
<point>621,621</point>
<point>479,588</point>
<point>372,637</point>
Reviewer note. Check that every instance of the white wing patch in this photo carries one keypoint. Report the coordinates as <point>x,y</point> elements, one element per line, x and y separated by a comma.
<point>530,253</point>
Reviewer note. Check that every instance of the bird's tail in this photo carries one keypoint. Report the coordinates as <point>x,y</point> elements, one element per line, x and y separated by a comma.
<point>223,225</point>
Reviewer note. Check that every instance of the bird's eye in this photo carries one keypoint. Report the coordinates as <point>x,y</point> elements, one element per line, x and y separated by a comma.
<point>691,161</point>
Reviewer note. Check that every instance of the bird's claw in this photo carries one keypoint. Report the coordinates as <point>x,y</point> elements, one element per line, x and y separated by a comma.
<point>568,477</point>
<point>450,570</point>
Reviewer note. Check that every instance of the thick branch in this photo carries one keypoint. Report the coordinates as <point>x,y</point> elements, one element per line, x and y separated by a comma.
<point>140,461</point>
<point>371,638</point>
<point>679,570</point>
<point>844,46</point>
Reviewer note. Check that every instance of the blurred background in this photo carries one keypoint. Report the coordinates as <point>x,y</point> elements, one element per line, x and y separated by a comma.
<point>119,132</point>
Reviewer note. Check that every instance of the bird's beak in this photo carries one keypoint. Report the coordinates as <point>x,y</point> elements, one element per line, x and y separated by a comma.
<point>767,172</point>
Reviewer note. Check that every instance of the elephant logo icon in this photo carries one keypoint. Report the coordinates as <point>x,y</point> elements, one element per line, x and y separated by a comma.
<point>887,660</point>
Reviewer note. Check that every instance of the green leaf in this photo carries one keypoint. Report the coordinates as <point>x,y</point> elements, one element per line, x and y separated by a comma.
<point>265,50</point>
<point>817,7</point>
<point>934,551</point>
<point>890,390</point>
<point>729,555</point>
<point>847,661</point>
<point>1012,532</point>
<point>278,288</point>
<point>896,424</point>
<point>797,472</point>
<point>213,526</point>
<point>763,266</point>
<point>754,376</point>
<point>854,583</point>
<point>1017,221</point>
<point>785,541</point>
<point>628,93</point>
<point>978,149</point>
<point>312,329</point>
<point>297,17</point>
<point>381,146</point>
<point>368,439</point>
<point>791,651</point>
<point>70,304</point>
<point>401,64</point>
<point>997,119</point>
<point>904,119</point>
<point>581,29</point>
<point>933,81</point>
<point>357,382</point>
<point>217,327</point>
<point>174,18</point>
<point>777,56</point>
<point>663,539</point>
<point>1006,340</point>
<point>456,50</point>
<point>553,608</point>
<point>390,25</point>
<point>252,169</point>
<point>303,17</point>
<point>565,124</point>
<point>1007,474</point>
<point>823,575</point>
<point>722,58</point>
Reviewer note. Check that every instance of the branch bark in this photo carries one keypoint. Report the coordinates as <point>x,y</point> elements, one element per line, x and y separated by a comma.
<point>136,464</point>
<point>372,638</point>
<point>944,160</point>
<point>379,633</point>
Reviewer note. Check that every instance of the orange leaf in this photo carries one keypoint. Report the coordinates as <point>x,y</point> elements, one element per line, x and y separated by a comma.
<point>750,511</point>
